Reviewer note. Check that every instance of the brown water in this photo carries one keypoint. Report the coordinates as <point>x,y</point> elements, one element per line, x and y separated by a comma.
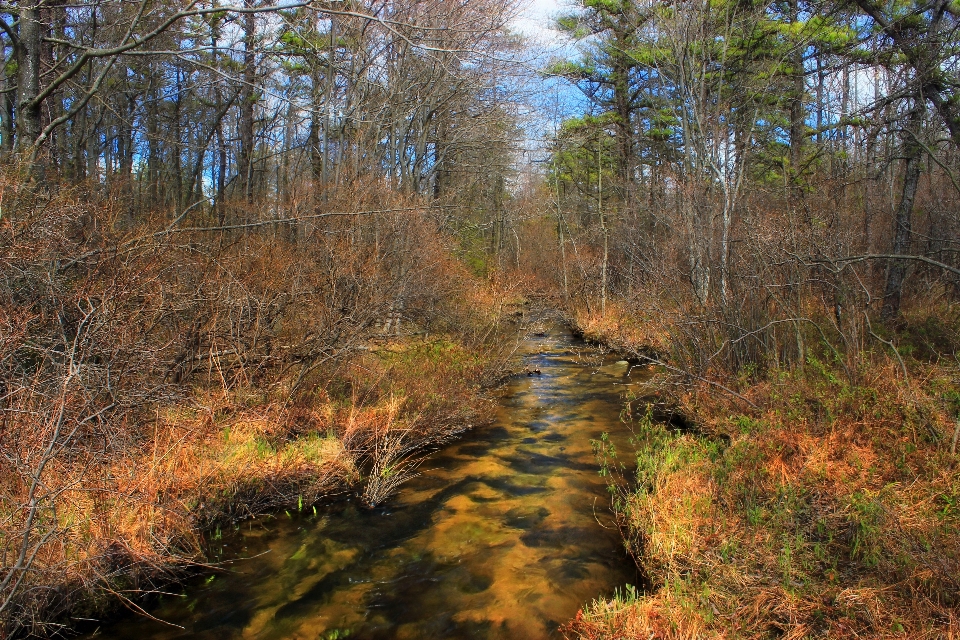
<point>499,537</point>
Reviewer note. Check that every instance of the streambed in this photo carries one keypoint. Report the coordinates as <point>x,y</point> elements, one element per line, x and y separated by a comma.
<point>504,534</point>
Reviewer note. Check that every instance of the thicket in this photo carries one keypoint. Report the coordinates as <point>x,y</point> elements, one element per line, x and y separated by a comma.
<point>158,381</point>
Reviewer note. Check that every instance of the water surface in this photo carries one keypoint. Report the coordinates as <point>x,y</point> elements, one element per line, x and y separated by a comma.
<point>505,534</point>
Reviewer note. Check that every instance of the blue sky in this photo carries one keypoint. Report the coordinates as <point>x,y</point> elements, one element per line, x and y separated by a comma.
<point>557,99</point>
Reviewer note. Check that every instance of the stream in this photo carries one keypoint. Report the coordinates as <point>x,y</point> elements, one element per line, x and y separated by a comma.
<point>504,534</point>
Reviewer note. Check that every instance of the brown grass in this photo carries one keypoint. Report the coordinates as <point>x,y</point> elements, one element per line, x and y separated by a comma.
<point>831,511</point>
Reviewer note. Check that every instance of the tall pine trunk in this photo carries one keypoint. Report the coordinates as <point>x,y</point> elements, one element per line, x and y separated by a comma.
<point>248,96</point>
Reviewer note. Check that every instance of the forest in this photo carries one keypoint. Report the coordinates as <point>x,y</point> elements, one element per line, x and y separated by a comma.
<point>262,255</point>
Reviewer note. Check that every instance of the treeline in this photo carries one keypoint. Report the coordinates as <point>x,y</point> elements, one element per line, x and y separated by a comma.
<point>168,104</point>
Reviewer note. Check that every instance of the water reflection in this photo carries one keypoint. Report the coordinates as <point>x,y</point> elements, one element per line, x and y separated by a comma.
<point>500,537</point>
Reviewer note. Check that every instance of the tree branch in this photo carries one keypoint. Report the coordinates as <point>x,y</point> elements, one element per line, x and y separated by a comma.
<point>883,256</point>
<point>126,45</point>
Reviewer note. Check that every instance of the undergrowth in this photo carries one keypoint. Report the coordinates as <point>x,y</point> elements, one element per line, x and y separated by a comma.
<point>830,508</point>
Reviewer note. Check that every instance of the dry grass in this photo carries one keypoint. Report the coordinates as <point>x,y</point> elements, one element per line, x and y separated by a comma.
<point>129,523</point>
<point>832,511</point>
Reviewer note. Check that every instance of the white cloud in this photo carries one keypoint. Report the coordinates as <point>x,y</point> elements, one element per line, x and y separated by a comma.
<point>536,20</point>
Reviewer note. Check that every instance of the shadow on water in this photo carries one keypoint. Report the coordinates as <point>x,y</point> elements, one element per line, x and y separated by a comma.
<point>500,537</point>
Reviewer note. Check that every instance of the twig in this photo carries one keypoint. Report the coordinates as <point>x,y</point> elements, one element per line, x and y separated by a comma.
<point>903,367</point>
<point>883,256</point>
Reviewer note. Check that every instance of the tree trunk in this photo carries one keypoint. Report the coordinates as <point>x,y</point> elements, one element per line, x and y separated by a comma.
<point>913,151</point>
<point>248,96</point>
<point>797,112</point>
<point>328,102</point>
<point>625,155</point>
<point>6,115</point>
<point>153,141</point>
<point>93,145</point>
<point>28,77</point>
<point>177,150</point>
<point>606,244</point>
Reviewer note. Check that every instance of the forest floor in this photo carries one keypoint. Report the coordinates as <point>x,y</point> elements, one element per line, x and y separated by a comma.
<point>817,501</point>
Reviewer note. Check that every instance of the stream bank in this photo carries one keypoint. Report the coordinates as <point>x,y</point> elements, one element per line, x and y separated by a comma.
<point>505,533</point>
<point>808,503</point>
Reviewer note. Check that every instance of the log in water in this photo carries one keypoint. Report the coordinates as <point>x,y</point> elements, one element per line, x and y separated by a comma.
<point>505,533</point>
